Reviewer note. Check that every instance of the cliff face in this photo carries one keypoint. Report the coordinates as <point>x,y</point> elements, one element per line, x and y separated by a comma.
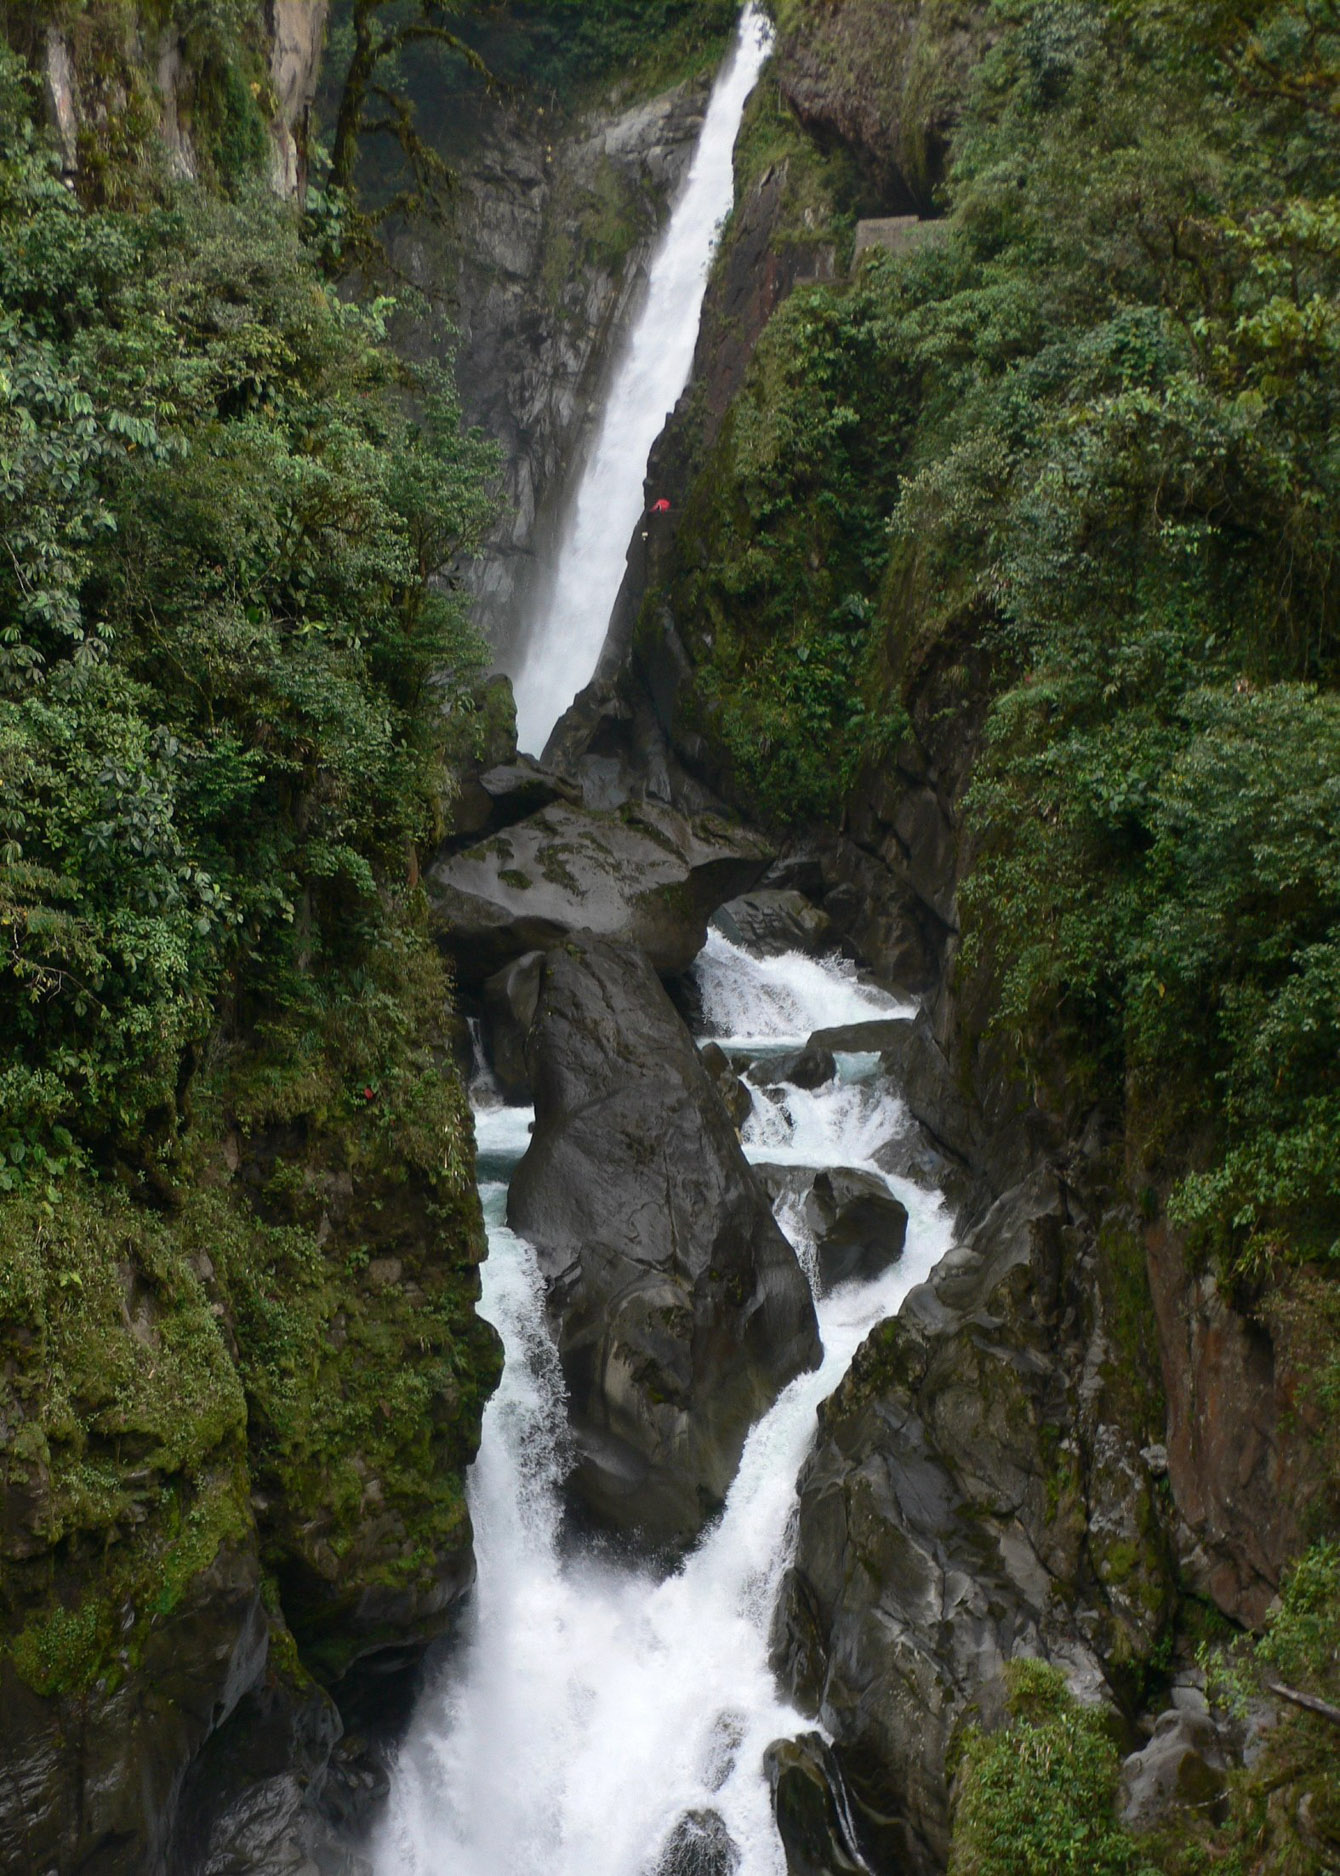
<point>1074,1442</point>
<point>112,84</point>
<point>543,262</point>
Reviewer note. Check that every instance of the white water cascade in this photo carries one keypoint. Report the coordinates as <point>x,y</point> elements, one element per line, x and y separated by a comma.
<point>560,643</point>
<point>595,1705</point>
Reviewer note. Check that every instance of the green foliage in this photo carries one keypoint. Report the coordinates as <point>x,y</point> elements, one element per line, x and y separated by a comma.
<point>1099,419</point>
<point>784,544</point>
<point>228,655</point>
<point>1035,1798</point>
<point>235,674</point>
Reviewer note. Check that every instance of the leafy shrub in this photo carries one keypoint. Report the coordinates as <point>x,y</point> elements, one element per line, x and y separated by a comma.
<point>1035,1798</point>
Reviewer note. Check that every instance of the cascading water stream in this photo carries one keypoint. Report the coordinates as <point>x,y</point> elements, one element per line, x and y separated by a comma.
<point>597,1705</point>
<point>561,641</point>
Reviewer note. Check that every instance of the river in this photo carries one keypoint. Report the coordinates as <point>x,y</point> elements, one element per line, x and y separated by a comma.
<point>596,1705</point>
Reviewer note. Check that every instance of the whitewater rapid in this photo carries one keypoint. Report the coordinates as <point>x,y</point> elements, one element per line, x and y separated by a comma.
<point>569,612</point>
<point>596,1705</point>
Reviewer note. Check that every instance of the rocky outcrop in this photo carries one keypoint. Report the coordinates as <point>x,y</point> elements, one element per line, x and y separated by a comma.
<point>774,920</point>
<point>885,79</point>
<point>809,1804</point>
<point>553,223</point>
<point>297,38</point>
<point>679,1308</point>
<point>91,1778</point>
<point>731,1091</point>
<point>103,81</point>
<point>646,876</point>
<point>1241,1478</point>
<point>232,1446</point>
<point>975,1493</point>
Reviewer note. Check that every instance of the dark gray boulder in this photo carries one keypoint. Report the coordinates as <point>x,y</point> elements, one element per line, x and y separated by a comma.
<point>510,996</point>
<point>679,1308</point>
<point>699,1845</point>
<point>810,1805</point>
<point>735,1097</point>
<point>645,876</point>
<point>773,920</point>
<point>800,1068</point>
<point>859,1227</point>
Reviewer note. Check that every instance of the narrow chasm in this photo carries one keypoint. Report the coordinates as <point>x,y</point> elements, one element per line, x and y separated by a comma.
<point>670,938</point>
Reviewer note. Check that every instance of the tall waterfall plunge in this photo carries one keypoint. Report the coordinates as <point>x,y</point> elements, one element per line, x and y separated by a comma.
<point>596,1705</point>
<point>561,640</point>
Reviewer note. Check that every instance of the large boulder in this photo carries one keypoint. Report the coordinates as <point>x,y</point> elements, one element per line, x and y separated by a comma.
<point>859,1227</point>
<point>679,1308</point>
<point>773,920</point>
<point>645,876</point>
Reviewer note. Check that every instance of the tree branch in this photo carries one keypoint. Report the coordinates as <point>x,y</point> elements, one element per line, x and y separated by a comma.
<point>1309,1702</point>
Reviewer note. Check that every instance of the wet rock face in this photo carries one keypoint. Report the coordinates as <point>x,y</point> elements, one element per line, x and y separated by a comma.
<point>734,1096</point>
<point>810,1806</point>
<point>554,226</point>
<point>971,1497</point>
<point>774,920</point>
<point>646,876</point>
<point>91,1780</point>
<point>679,1308</point>
<point>858,1227</point>
<point>699,1845</point>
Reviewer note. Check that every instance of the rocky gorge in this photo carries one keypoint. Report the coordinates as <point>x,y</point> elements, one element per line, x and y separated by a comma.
<point>858,1357</point>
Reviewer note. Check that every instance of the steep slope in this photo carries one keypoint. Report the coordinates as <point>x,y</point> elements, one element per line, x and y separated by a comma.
<point>958,598</point>
<point>241,1376</point>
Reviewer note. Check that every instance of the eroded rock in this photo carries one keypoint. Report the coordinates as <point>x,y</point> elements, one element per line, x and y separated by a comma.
<point>810,1806</point>
<point>859,1227</point>
<point>679,1308</point>
<point>645,876</point>
<point>1183,1768</point>
<point>773,920</point>
<point>947,1517</point>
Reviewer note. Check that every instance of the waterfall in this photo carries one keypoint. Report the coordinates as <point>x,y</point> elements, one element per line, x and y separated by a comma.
<point>561,640</point>
<point>596,1704</point>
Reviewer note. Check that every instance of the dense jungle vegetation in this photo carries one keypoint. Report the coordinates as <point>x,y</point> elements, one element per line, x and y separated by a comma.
<point>1076,458</point>
<point>1086,441</point>
<point>1074,461</point>
<point>233,673</point>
